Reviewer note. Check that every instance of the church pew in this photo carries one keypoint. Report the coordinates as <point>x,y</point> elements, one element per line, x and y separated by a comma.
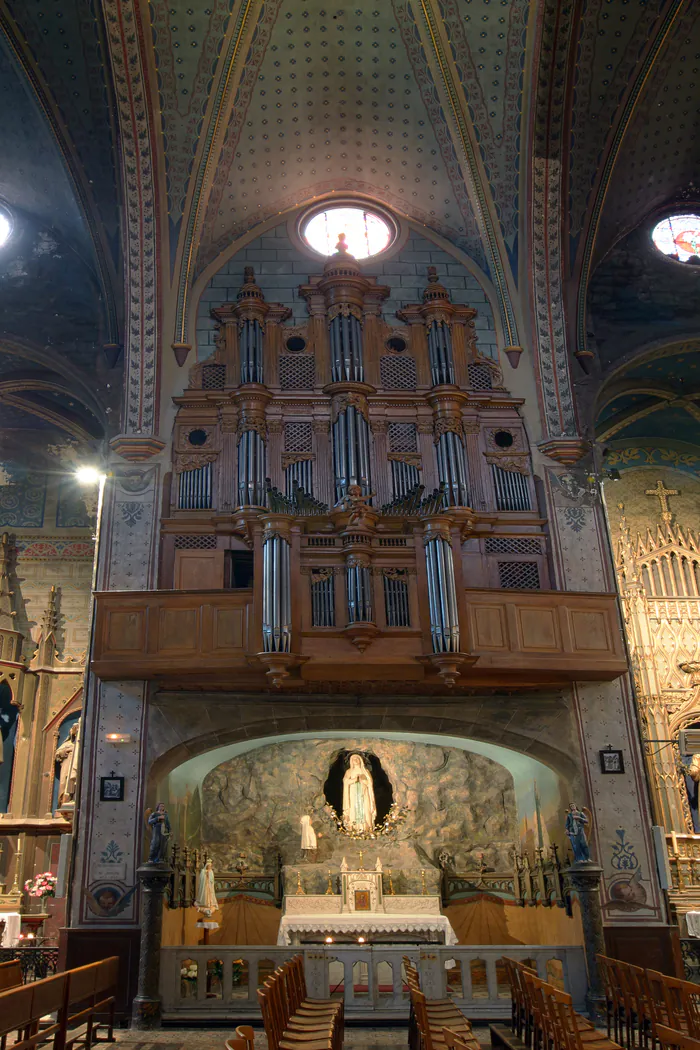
<point>10,974</point>
<point>22,1009</point>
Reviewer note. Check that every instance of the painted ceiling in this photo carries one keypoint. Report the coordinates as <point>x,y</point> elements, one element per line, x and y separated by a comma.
<point>652,405</point>
<point>245,108</point>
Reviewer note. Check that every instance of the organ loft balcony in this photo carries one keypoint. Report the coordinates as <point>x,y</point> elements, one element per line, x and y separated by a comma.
<point>353,500</point>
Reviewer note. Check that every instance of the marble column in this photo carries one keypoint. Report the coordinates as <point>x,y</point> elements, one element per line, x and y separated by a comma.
<point>584,878</point>
<point>154,879</point>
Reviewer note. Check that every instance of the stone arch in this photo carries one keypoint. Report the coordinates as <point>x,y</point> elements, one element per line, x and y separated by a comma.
<point>541,728</point>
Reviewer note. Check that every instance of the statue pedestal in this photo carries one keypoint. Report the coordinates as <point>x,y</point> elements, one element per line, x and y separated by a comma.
<point>154,879</point>
<point>584,878</point>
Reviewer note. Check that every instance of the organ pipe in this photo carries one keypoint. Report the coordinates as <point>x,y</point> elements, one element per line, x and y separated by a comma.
<point>440,352</point>
<point>452,469</point>
<point>351,452</point>
<point>512,492</point>
<point>345,334</point>
<point>300,475</point>
<point>195,488</point>
<point>251,470</point>
<point>442,596</point>
<point>323,601</point>
<point>396,601</point>
<point>404,478</point>
<point>277,603</point>
<point>250,338</point>
<point>359,594</point>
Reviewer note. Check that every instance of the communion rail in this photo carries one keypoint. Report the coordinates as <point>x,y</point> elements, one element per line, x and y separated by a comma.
<point>217,982</point>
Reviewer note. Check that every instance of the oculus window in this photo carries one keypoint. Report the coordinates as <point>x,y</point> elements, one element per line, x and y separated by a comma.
<point>366,232</point>
<point>5,226</point>
<point>678,237</point>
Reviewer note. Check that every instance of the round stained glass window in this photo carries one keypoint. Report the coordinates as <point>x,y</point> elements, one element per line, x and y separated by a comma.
<point>678,236</point>
<point>366,232</point>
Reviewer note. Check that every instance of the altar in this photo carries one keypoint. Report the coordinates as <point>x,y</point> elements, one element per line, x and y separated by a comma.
<point>363,912</point>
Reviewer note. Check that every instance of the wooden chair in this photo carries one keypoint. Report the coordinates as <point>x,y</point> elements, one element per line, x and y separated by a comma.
<point>432,1029</point>
<point>670,1039</point>
<point>613,995</point>
<point>278,1038</point>
<point>10,974</point>
<point>247,1034</point>
<point>669,990</point>
<point>572,1031</point>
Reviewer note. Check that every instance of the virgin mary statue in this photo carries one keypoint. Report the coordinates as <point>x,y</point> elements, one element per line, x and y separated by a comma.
<point>359,806</point>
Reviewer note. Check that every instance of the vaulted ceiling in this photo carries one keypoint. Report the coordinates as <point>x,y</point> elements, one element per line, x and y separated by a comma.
<point>447,111</point>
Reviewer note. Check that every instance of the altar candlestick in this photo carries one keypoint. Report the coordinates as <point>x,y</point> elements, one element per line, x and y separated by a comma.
<point>330,884</point>
<point>391,883</point>
<point>300,888</point>
<point>18,857</point>
<point>422,883</point>
<point>362,867</point>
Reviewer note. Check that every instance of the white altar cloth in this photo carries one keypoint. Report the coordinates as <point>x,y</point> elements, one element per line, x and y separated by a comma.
<point>399,914</point>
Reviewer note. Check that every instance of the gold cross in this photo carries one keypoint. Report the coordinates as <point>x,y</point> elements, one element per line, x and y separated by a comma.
<point>663,494</point>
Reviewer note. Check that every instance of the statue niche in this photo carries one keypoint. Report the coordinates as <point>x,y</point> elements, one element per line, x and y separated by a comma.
<point>358,791</point>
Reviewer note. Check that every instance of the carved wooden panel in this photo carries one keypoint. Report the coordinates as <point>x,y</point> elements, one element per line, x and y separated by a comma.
<point>517,636</point>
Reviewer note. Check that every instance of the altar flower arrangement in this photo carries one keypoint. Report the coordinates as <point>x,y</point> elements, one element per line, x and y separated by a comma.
<point>394,818</point>
<point>42,885</point>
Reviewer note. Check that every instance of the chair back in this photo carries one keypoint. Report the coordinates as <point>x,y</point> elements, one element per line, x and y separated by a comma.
<point>669,1038</point>
<point>244,1031</point>
<point>273,1038</point>
<point>232,1043</point>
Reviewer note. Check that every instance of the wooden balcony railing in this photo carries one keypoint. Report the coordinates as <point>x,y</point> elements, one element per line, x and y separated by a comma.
<point>538,637</point>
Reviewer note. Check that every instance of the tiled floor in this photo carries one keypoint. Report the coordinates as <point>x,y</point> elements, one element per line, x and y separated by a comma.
<point>356,1038</point>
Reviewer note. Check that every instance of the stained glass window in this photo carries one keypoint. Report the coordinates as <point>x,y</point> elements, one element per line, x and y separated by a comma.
<point>678,236</point>
<point>366,232</point>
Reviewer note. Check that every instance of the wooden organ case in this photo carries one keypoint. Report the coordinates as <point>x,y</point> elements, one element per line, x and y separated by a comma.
<point>353,500</point>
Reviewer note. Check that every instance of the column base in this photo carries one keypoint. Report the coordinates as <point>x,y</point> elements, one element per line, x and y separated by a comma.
<point>146,1013</point>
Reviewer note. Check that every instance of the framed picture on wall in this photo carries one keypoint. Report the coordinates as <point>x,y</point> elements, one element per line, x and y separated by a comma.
<point>611,760</point>
<point>111,789</point>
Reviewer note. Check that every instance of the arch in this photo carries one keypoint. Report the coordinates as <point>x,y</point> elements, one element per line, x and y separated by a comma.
<point>290,214</point>
<point>481,725</point>
<point>9,721</point>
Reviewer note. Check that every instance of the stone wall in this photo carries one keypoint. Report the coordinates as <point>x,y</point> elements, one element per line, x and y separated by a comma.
<point>280,268</point>
<point>454,800</point>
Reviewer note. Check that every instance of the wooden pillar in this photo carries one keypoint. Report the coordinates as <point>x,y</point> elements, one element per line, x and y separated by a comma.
<point>426,447</point>
<point>323,465</point>
<point>476,464</point>
<point>380,462</point>
<point>275,440</point>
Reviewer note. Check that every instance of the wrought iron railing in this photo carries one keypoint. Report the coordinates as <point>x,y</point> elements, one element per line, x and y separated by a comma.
<point>36,962</point>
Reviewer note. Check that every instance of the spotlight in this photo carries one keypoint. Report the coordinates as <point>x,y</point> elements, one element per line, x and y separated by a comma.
<point>88,476</point>
<point>360,940</point>
<point>329,940</point>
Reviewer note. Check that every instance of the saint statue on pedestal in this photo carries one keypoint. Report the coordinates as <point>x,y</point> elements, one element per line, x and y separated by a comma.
<point>359,806</point>
<point>308,835</point>
<point>67,756</point>
<point>206,893</point>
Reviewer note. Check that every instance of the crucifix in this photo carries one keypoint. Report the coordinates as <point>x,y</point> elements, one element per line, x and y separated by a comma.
<point>662,494</point>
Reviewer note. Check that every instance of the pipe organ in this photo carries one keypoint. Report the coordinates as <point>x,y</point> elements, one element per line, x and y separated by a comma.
<point>371,468</point>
